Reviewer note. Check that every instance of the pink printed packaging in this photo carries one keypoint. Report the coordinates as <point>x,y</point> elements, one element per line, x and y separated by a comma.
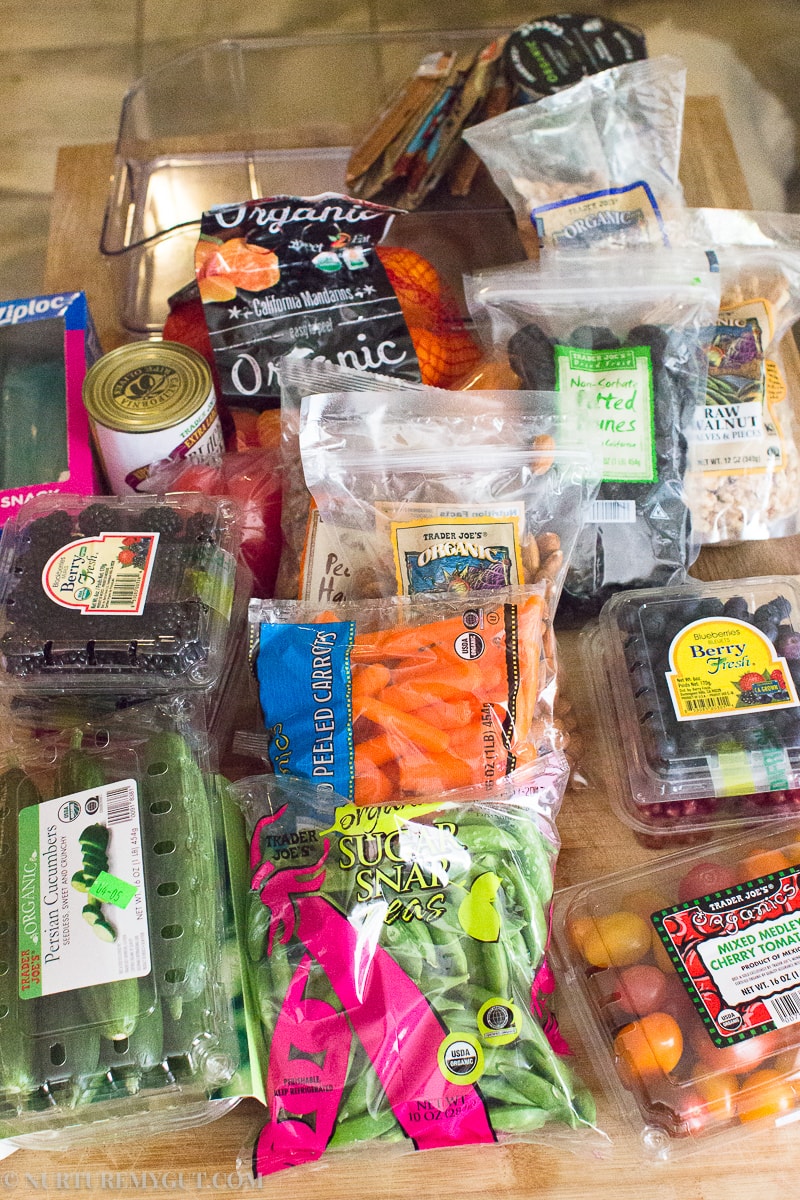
<point>47,343</point>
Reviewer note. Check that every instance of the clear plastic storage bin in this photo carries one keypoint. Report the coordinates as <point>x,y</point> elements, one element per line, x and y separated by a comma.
<point>238,120</point>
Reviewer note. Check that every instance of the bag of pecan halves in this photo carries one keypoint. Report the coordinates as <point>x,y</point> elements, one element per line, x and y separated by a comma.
<point>396,957</point>
<point>744,476</point>
<point>617,339</point>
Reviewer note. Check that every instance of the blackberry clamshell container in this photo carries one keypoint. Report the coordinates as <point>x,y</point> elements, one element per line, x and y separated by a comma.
<point>684,982</point>
<point>698,687</point>
<point>120,595</point>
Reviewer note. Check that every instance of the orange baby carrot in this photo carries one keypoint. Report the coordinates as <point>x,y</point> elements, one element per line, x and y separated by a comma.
<point>405,726</point>
<point>403,696</point>
<point>421,776</point>
<point>377,749</point>
<point>449,714</point>
<point>371,785</point>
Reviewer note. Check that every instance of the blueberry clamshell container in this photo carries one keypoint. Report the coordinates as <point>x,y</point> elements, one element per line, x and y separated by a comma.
<point>713,739</point>
<point>117,594</point>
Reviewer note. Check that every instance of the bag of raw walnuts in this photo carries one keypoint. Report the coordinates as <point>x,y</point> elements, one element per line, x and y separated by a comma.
<point>743,481</point>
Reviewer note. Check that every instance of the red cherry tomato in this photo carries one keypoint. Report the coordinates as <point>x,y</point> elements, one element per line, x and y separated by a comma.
<point>677,1002</point>
<point>650,1046</point>
<point>642,989</point>
<point>705,878</point>
<point>738,1057</point>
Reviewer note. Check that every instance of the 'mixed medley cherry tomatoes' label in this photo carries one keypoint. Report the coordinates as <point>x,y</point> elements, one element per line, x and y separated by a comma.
<point>737,952</point>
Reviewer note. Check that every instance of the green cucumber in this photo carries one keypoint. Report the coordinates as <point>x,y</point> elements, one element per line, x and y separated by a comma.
<point>182,883</point>
<point>65,1049</point>
<point>112,1007</point>
<point>95,836</point>
<point>94,862</point>
<point>82,881</point>
<point>103,929</point>
<point>144,1049</point>
<point>78,771</point>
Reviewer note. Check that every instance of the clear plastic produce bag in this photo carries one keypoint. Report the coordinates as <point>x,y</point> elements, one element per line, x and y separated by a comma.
<point>617,337</point>
<point>397,961</point>
<point>595,165</point>
<point>744,477</point>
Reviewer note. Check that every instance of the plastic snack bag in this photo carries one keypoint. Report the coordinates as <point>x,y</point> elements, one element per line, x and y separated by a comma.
<point>396,957</point>
<point>744,479</point>
<point>618,338</point>
<point>392,699</point>
<point>446,491</point>
<point>311,565</point>
<point>595,164</point>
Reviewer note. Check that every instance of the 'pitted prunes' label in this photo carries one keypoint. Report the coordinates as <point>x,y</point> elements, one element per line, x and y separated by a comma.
<point>608,396</point>
<point>109,574</point>
<point>720,666</point>
<point>737,953</point>
<point>300,276</point>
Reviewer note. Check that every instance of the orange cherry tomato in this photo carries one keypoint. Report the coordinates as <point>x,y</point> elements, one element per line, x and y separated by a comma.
<point>762,862</point>
<point>765,1094</point>
<point>578,929</point>
<point>650,1046</point>
<point>718,1094</point>
<point>618,940</point>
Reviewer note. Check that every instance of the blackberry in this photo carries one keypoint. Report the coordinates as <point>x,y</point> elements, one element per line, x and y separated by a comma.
<point>97,518</point>
<point>161,519</point>
<point>200,527</point>
<point>54,529</point>
<point>750,698</point>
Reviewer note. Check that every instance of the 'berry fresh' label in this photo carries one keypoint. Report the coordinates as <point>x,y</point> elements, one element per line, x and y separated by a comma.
<point>109,574</point>
<point>737,953</point>
<point>719,667</point>
<point>82,906</point>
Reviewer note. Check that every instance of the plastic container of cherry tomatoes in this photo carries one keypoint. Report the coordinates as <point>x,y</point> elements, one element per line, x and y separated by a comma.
<point>701,685</point>
<point>684,981</point>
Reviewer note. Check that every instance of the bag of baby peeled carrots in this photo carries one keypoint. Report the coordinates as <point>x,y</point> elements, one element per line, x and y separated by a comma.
<point>383,701</point>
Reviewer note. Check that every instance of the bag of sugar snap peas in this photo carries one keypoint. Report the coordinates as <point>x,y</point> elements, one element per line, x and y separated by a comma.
<point>395,956</point>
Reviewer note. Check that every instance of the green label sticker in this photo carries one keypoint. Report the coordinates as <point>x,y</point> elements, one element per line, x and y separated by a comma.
<point>111,890</point>
<point>608,396</point>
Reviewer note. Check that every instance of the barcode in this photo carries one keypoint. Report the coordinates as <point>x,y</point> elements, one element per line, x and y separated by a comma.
<point>784,1009</point>
<point>613,512</point>
<point>706,703</point>
<point>125,591</point>
<point>119,805</point>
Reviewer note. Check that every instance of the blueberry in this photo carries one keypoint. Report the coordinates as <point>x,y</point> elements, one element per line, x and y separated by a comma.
<point>736,608</point>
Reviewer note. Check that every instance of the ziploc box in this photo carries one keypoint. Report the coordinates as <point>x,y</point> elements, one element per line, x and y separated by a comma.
<point>47,343</point>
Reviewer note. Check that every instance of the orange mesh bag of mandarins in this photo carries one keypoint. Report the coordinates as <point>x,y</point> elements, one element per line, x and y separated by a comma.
<point>306,276</point>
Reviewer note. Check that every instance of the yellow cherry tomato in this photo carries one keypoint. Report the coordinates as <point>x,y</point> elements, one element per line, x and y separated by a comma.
<point>765,1093</point>
<point>618,940</point>
<point>718,1093</point>
<point>650,1046</point>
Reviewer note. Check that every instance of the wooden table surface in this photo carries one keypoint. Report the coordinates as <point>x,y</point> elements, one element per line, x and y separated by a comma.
<point>203,1161</point>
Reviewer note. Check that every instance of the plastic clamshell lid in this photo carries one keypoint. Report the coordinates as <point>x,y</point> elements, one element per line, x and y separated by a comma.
<point>117,1007</point>
<point>704,680</point>
<point>684,980</point>
<point>117,594</point>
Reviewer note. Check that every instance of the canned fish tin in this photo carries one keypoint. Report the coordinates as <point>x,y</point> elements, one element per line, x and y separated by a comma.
<point>148,401</point>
